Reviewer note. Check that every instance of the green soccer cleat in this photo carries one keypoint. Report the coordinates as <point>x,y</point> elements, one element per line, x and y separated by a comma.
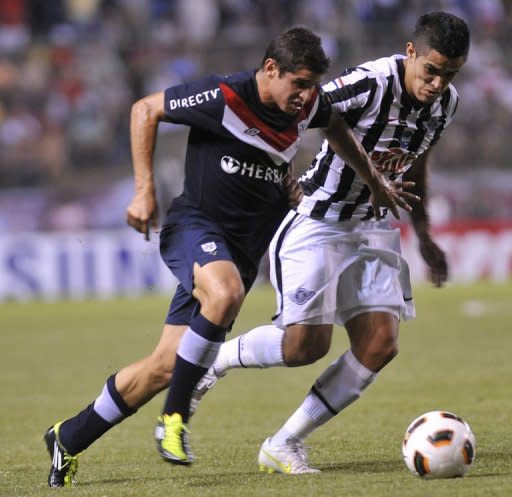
<point>171,436</point>
<point>64,465</point>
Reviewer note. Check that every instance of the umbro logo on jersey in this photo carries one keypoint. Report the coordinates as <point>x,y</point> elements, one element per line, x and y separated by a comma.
<point>252,131</point>
<point>301,296</point>
<point>302,127</point>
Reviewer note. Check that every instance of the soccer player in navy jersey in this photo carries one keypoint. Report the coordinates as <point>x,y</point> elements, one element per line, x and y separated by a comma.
<point>244,131</point>
<point>398,107</point>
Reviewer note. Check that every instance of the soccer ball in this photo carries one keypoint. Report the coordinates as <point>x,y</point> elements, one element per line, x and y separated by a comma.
<point>438,444</point>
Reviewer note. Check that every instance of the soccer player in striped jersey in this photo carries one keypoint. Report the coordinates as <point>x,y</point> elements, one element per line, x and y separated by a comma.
<point>244,131</point>
<point>333,261</point>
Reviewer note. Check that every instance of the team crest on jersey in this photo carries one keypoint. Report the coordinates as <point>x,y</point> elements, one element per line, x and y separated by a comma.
<point>301,296</point>
<point>209,248</point>
<point>433,123</point>
<point>406,137</point>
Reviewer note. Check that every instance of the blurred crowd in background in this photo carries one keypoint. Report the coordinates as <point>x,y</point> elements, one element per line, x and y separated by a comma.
<point>71,69</point>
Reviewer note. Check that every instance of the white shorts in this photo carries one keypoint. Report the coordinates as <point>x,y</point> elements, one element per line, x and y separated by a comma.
<point>326,273</point>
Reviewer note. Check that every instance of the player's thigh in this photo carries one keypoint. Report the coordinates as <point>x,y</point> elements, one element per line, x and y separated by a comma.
<point>304,270</point>
<point>220,291</point>
<point>201,259</point>
<point>184,247</point>
<point>217,280</point>
<point>375,280</point>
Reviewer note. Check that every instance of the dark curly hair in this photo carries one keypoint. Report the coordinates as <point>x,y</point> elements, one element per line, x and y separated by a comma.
<point>444,32</point>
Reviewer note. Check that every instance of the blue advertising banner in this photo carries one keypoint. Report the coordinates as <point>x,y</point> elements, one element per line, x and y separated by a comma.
<point>80,265</point>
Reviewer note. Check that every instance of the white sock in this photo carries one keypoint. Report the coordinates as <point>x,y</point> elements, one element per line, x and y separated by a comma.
<point>336,388</point>
<point>106,407</point>
<point>261,347</point>
<point>299,425</point>
<point>198,350</point>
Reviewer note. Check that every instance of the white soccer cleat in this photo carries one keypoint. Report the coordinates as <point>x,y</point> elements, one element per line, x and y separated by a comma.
<point>289,459</point>
<point>206,383</point>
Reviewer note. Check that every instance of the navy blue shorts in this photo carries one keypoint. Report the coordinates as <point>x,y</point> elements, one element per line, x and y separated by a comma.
<point>197,240</point>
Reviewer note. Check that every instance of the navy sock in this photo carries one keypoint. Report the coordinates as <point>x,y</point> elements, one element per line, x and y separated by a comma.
<point>80,431</point>
<point>180,391</point>
<point>196,353</point>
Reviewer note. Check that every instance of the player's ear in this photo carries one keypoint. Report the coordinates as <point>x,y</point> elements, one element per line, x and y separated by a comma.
<point>410,50</point>
<point>271,68</point>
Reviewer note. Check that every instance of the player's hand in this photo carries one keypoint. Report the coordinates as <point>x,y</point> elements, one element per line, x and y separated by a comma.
<point>435,259</point>
<point>391,194</point>
<point>294,190</point>
<point>390,167</point>
<point>142,213</point>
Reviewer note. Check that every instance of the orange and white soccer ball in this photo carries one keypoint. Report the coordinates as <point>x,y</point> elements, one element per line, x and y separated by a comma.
<point>439,444</point>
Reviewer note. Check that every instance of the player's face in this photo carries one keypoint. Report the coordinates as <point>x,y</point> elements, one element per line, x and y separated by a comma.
<point>290,92</point>
<point>428,73</point>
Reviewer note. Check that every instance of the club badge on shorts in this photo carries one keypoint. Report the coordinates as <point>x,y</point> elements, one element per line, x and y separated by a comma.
<point>209,248</point>
<point>301,296</point>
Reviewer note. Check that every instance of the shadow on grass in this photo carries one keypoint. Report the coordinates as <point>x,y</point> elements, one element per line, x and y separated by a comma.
<point>184,477</point>
<point>383,466</point>
<point>387,466</point>
<point>185,480</point>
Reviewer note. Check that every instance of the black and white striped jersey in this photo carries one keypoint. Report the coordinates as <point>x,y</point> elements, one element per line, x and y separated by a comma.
<point>390,125</point>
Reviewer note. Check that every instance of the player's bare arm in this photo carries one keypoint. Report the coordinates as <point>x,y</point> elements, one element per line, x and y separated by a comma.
<point>384,193</point>
<point>293,188</point>
<point>142,213</point>
<point>432,254</point>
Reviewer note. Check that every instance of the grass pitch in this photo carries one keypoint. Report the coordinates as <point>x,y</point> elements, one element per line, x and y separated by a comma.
<point>55,357</point>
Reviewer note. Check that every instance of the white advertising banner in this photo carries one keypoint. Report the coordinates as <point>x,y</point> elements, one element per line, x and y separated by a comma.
<point>78,265</point>
<point>104,264</point>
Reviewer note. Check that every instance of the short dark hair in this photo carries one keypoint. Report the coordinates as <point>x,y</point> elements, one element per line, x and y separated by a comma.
<point>444,32</point>
<point>297,48</point>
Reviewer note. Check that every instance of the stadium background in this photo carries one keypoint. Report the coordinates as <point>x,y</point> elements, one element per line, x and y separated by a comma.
<point>70,70</point>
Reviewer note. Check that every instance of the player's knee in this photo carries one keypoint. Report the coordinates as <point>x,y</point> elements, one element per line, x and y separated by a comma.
<point>389,352</point>
<point>383,354</point>
<point>226,300</point>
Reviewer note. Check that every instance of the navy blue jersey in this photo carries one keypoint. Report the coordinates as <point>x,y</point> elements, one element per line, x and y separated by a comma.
<point>238,153</point>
